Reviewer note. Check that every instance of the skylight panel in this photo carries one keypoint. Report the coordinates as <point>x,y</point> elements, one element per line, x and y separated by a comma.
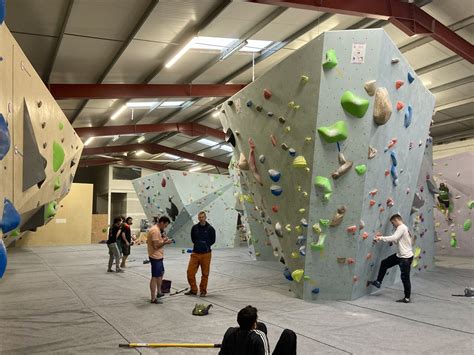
<point>255,45</point>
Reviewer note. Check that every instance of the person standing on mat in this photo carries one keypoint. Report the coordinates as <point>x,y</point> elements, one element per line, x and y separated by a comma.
<point>114,253</point>
<point>203,236</point>
<point>155,243</point>
<point>250,338</point>
<point>127,240</point>
<point>403,258</point>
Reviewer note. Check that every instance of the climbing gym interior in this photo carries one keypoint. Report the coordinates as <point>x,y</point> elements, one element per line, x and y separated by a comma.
<point>312,159</point>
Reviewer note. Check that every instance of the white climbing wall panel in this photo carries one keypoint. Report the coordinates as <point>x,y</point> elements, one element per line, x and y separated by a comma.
<point>288,116</point>
<point>180,196</point>
<point>40,150</point>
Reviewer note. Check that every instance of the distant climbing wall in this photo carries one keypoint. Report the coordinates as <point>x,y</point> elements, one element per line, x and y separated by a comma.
<point>181,196</point>
<point>39,149</point>
<point>456,237</point>
<point>331,141</point>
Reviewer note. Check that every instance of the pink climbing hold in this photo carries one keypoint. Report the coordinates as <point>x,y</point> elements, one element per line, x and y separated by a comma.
<point>273,139</point>
<point>267,94</point>
<point>365,235</point>
<point>163,182</point>
<point>373,192</point>
<point>387,172</point>
<point>399,84</point>
<point>350,261</point>
<point>252,163</point>
<point>400,105</point>
<point>392,142</point>
<point>351,229</point>
<point>372,202</point>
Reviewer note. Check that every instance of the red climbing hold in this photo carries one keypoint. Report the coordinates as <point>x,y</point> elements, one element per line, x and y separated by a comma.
<point>351,229</point>
<point>350,261</point>
<point>365,235</point>
<point>371,203</point>
<point>387,172</point>
<point>399,84</point>
<point>390,202</point>
<point>275,208</point>
<point>373,192</point>
<point>163,182</point>
<point>393,141</point>
<point>267,94</point>
<point>400,105</point>
<point>274,140</point>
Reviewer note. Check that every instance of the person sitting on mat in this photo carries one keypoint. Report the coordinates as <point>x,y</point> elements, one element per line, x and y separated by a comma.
<point>403,258</point>
<point>250,338</point>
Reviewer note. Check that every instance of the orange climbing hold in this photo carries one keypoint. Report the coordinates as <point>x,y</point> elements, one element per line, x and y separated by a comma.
<point>399,84</point>
<point>387,172</point>
<point>400,105</point>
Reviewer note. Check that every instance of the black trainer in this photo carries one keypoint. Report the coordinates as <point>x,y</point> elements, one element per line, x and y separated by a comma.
<point>158,295</point>
<point>190,293</point>
<point>375,283</point>
<point>404,300</point>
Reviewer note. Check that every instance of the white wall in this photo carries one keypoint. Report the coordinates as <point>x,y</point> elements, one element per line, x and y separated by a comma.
<point>446,150</point>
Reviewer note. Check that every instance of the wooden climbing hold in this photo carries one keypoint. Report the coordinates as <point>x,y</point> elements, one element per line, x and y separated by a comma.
<point>370,87</point>
<point>372,152</point>
<point>267,94</point>
<point>382,106</point>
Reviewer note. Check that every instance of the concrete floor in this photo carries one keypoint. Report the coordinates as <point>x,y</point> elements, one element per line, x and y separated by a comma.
<point>61,300</point>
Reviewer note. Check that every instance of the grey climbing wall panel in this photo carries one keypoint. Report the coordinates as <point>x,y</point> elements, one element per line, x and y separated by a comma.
<point>332,262</point>
<point>181,196</point>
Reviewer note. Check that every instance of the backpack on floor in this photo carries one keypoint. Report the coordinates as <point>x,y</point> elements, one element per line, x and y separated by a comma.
<point>201,309</point>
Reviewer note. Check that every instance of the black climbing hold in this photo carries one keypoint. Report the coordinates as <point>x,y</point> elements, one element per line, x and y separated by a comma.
<point>229,137</point>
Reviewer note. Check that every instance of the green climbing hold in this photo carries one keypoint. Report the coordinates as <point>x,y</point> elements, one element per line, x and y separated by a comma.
<point>467,224</point>
<point>306,278</point>
<point>320,244</point>
<point>61,126</point>
<point>58,156</point>
<point>324,222</point>
<point>57,183</point>
<point>453,243</point>
<point>323,183</point>
<point>50,210</point>
<point>361,169</point>
<point>331,59</point>
<point>297,275</point>
<point>353,104</point>
<point>15,233</point>
<point>470,204</point>
<point>334,133</point>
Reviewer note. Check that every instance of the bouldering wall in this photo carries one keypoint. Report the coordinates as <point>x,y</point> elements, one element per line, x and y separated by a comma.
<point>455,237</point>
<point>39,149</point>
<point>181,196</point>
<point>331,141</point>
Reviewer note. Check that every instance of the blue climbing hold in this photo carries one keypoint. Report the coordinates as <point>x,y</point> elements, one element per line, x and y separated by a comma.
<point>411,78</point>
<point>276,190</point>
<point>2,13</point>
<point>274,175</point>
<point>249,103</point>
<point>408,116</point>
<point>287,274</point>
<point>4,137</point>
<point>3,258</point>
<point>292,152</point>
<point>11,218</point>
<point>393,155</point>
<point>315,290</point>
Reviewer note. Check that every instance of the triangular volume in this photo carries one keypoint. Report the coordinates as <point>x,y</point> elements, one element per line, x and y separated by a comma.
<point>34,163</point>
<point>35,220</point>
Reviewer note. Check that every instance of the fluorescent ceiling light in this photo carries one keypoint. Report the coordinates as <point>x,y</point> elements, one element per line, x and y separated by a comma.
<point>187,160</point>
<point>196,168</point>
<point>228,52</point>
<point>170,156</point>
<point>140,139</point>
<point>115,138</point>
<point>140,152</point>
<point>89,140</point>
<point>207,142</point>
<point>118,112</point>
<point>181,52</point>
<point>142,104</point>
<point>172,103</point>
<point>226,148</point>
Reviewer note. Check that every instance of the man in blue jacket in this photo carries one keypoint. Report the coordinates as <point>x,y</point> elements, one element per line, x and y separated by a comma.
<point>203,236</point>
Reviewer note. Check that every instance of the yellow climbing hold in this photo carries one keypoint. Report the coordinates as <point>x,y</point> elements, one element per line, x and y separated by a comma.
<point>298,229</point>
<point>302,210</point>
<point>288,227</point>
<point>417,252</point>
<point>294,255</point>
<point>299,162</point>
<point>317,228</point>
<point>297,275</point>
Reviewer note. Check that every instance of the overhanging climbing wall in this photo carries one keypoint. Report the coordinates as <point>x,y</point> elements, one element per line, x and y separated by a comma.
<point>181,196</point>
<point>331,141</point>
<point>39,149</point>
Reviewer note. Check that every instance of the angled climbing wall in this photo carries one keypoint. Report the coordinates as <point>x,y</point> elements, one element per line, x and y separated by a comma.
<point>180,196</point>
<point>331,142</point>
<point>39,149</point>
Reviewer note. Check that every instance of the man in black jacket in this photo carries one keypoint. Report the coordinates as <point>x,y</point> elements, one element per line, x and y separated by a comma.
<point>203,236</point>
<point>251,337</point>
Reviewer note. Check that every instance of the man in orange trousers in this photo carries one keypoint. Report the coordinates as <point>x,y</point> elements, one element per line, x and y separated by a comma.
<point>203,236</point>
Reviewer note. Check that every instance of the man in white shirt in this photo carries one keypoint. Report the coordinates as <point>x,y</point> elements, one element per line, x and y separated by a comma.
<point>403,257</point>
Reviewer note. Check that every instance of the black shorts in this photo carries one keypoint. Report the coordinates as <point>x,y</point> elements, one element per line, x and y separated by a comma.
<point>125,249</point>
<point>157,267</point>
<point>445,203</point>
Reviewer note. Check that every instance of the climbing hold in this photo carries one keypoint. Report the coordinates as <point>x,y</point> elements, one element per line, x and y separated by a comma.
<point>372,152</point>
<point>315,291</point>
<point>275,208</point>
<point>345,166</point>
<point>274,175</point>
<point>261,158</point>
<point>410,77</point>
<point>382,106</point>
<point>273,140</point>
<point>392,142</point>
<point>467,224</point>
<point>259,108</point>
<point>393,156</point>
<point>331,59</point>
<point>334,133</point>
<point>57,183</point>
<point>370,87</point>
<point>341,260</point>
<point>243,163</point>
<point>299,162</point>
<point>304,78</point>
<point>399,84</point>
<point>325,184</point>
<point>298,229</point>
<point>284,146</point>
<point>408,116</point>
<point>50,210</point>
<point>390,202</point>
<point>308,139</point>
<point>361,224</point>
<point>320,244</point>
<point>361,169</point>
<point>3,250</point>
<point>294,255</point>
<point>400,105</point>
<point>470,204</point>
<point>365,235</point>
<point>278,230</point>
<point>291,104</point>
<point>58,156</point>
<point>288,228</point>
<point>297,275</point>
<point>350,261</point>
<point>368,256</point>
<point>304,222</point>
<point>355,105</point>
<point>453,242</point>
<point>287,129</point>
<point>317,228</point>
<point>372,202</point>
<point>163,182</point>
<point>4,137</point>
<point>287,274</point>
<point>270,114</point>
<point>230,102</point>
<point>10,218</point>
<point>324,222</point>
<point>252,162</point>
<point>393,172</point>
<point>337,219</point>
<point>351,229</point>
<point>303,253</point>
<point>292,152</point>
<point>395,60</point>
<point>276,190</point>
<point>373,192</point>
<point>302,210</point>
<point>267,94</point>
<point>281,119</point>
<point>249,103</point>
<point>355,278</point>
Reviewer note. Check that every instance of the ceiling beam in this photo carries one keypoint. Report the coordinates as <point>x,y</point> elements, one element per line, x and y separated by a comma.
<point>130,91</point>
<point>190,129</point>
<point>406,16</point>
<point>457,103</point>
<point>439,64</point>
<point>151,148</point>
<point>452,84</point>
<point>126,162</point>
<point>453,121</point>
<point>453,136</point>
